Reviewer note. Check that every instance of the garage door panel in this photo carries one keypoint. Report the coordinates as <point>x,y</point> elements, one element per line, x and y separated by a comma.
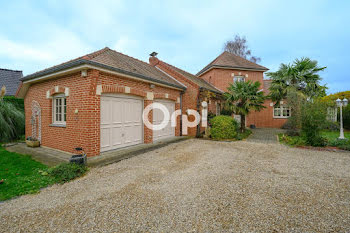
<point>117,115</point>
<point>117,136</point>
<point>122,122</point>
<point>105,138</point>
<point>158,117</point>
<point>105,108</point>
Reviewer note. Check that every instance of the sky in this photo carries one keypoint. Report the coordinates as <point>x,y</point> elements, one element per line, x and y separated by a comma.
<point>189,34</point>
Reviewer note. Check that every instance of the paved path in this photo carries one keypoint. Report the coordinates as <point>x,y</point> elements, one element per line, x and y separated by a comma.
<point>265,135</point>
<point>197,186</point>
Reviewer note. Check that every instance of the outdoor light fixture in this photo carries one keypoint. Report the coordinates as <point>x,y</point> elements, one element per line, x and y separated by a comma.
<point>341,104</point>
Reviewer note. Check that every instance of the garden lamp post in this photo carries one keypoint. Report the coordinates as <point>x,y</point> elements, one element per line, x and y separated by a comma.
<point>341,104</point>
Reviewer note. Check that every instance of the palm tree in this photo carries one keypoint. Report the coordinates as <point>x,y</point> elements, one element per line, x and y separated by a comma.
<point>11,120</point>
<point>243,97</point>
<point>301,76</point>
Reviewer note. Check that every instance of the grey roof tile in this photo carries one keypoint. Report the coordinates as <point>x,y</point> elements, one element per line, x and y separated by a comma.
<point>11,80</point>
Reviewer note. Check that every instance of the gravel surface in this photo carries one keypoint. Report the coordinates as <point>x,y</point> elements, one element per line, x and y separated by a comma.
<point>197,186</point>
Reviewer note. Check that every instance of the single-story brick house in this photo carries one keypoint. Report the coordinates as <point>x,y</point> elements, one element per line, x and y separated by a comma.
<point>96,102</point>
<point>228,68</point>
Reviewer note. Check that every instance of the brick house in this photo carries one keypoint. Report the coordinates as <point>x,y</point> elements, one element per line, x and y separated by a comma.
<point>198,90</point>
<point>96,102</point>
<point>228,68</point>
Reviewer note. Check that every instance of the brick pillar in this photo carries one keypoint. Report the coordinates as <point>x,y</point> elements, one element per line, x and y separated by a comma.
<point>148,133</point>
<point>177,128</point>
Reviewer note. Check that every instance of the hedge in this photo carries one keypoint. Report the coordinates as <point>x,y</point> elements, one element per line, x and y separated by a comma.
<point>19,103</point>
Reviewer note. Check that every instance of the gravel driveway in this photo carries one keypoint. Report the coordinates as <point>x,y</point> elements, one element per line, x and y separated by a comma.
<point>197,185</point>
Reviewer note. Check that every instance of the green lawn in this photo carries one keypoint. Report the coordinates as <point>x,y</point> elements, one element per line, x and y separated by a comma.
<point>334,135</point>
<point>20,175</point>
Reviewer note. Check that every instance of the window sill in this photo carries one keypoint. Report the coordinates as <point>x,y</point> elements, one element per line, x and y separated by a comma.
<point>280,117</point>
<point>58,125</point>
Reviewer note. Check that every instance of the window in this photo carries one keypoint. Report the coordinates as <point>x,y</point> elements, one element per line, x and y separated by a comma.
<point>218,109</point>
<point>238,79</point>
<point>281,112</point>
<point>59,109</point>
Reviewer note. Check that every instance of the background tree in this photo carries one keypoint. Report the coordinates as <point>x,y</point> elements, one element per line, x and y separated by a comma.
<point>239,47</point>
<point>244,97</point>
<point>301,76</point>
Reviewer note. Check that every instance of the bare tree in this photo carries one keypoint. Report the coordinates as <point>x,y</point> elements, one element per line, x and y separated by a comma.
<point>239,47</point>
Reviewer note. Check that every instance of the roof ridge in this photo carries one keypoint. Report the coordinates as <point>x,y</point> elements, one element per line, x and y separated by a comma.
<point>11,70</point>
<point>202,80</point>
<point>210,63</point>
<point>129,56</point>
<point>93,54</point>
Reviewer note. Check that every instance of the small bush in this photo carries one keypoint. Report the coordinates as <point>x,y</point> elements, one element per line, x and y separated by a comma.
<point>313,119</point>
<point>241,136</point>
<point>66,171</point>
<point>331,126</point>
<point>292,140</point>
<point>223,127</point>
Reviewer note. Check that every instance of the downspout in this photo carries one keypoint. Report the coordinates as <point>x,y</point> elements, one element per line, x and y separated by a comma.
<point>198,132</point>
<point>181,93</point>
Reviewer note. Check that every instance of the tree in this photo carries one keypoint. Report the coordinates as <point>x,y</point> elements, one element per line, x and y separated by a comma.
<point>301,76</point>
<point>239,47</point>
<point>244,97</point>
<point>11,120</point>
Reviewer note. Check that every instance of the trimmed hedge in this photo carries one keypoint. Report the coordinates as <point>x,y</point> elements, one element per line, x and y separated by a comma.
<point>223,127</point>
<point>19,103</point>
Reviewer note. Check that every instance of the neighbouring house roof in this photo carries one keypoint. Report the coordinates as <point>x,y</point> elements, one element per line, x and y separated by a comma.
<point>11,80</point>
<point>267,85</point>
<point>199,81</point>
<point>231,61</point>
<point>112,60</point>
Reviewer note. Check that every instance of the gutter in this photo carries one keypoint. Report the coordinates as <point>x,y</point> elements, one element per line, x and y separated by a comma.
<point>231,67</point>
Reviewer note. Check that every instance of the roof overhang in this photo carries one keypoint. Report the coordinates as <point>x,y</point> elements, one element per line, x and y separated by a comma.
<point>82,64</point>
<point>231,68</point>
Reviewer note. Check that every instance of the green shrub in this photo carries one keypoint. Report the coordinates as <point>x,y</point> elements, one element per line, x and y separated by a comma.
<point>313,119</point>
<point>244,135</point>
<point>346,116</point>
<point>12,122</point>
<point>19,103</point>
<point>66,171</point>
<point>223,127</point>
<point>292,140</point>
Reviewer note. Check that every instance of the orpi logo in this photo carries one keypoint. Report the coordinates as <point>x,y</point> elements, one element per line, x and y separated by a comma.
<point>172,118</point>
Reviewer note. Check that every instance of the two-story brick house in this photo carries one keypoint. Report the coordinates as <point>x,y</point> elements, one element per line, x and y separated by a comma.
<point>228,68</point>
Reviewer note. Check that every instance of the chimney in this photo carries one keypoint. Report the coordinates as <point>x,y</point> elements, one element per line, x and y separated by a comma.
<point>153,60</point>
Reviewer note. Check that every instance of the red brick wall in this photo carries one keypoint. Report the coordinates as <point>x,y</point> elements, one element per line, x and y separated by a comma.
<point>221,78</point>
<point>83,129</point>
<point>189,97</point>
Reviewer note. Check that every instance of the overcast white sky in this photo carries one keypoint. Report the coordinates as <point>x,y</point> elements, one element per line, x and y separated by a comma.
<point>189,34</point>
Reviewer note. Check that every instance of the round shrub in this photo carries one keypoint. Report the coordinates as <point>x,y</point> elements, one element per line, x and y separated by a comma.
<point>223,127</point>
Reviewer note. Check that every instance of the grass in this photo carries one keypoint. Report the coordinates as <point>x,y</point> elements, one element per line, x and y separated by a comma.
<point>330,136</point>
<point>20,175</point>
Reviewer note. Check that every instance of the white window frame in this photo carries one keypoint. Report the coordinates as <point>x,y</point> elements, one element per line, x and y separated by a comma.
<point>59,113</point>
<point>282,108</point>
<point>238,79</point>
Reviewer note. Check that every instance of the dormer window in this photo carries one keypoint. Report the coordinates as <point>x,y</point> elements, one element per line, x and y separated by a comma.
<point>239,79</point>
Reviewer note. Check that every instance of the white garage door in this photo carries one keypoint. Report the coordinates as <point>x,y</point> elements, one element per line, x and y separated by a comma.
<point>121,122</point>
<point>158,116</point>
